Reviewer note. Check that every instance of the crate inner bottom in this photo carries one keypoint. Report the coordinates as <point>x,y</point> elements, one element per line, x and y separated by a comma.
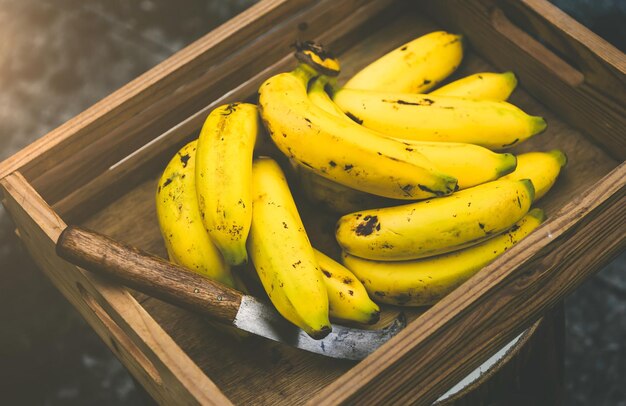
<point>253,370</point>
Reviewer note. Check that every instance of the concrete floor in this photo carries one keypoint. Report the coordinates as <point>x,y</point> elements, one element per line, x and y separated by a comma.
<point>58,57</point>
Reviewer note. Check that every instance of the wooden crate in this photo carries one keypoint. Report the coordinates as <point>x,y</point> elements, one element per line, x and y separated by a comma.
<point>100,168</point>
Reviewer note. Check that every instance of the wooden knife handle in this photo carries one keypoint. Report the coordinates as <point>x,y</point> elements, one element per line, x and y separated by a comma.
<point>148,273</point>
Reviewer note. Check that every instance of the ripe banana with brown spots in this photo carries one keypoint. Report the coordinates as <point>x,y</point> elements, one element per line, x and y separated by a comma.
<point>416,66</point>
<point>223,172</point>
<point>340,150</point>
<point>470,164</point>
<point>435,226</point>
<point>424,117</point>
<point>480,86</point>
<point>542,168</point>
<point>347,297</point>
<point>187,242</point>
<point>425,281</point>
<point>282,254</point>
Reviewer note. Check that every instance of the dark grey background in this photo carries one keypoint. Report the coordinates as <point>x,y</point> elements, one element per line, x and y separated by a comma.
<point>58,57</point>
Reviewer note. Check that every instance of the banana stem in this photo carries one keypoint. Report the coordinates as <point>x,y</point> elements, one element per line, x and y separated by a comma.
<point>304,72</point>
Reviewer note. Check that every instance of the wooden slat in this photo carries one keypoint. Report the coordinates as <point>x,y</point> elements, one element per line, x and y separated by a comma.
<point>509,47</point>
<point>603,65</point>
<point>244,48</point>
<point>245,372</point>
<point>151,87</point>
<point>151,356</point>
<point>110,184</point>
<point>464,328</point>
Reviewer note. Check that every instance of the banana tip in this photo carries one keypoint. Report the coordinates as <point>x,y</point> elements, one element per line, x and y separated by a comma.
<point>374,318</point>
<point>509,164</point>
<point>511,78</point>
<point>530,187</point>
<point>538,213</point>
<point>321,333</point>
<point>539,125</point>
<point>560,156</point>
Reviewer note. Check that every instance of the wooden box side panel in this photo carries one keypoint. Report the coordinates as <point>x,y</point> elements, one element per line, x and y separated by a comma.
<point>179,87</point>
<point>126,328</point>
<point>269,374</point>
<point>458,333</point>
<point>590,95</point>
<point>104,187</point>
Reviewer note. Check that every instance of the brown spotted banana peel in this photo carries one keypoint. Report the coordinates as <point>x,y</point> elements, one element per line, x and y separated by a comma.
<point>223,176</point>
<point>435,226</point>
<point>282,254</point>
<point>470,164</point>
<point>348,299</point>
<point>425,281</point>
<point>341,150</point>
<point>423,117</point>
<point>186,240</point>
<point>416,66</point>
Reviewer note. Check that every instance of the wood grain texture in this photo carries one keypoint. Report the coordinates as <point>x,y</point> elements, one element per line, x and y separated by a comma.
<point>148,273</point>
<point>150,87</point>
<point>597,107</point>
<point>463,329</point>
<point>229,55</point>
<point>532,374</point>
<point>267,373</point>
<point>150,355</point>
<point>602,64</point>
<point>113,182</point>
<point>172,351</point>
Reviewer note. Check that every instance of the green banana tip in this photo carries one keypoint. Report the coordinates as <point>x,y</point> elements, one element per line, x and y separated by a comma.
<point>511,78</point>
<point>530,187</point>
<point>509,164</point>
<point>560,156</point>
<point>538,124</point>
<point>538,213</point>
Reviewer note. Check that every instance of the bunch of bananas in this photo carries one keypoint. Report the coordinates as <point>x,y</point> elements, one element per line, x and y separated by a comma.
<point>426,194</point>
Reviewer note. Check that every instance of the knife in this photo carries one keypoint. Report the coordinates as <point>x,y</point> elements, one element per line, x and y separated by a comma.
<point>164,280</point>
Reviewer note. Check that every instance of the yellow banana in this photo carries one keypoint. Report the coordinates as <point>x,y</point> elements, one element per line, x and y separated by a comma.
<point>470,164</point>
<point>482,86</point>
<point>335,197</point>
<point>491,124</point>
<point>282,254</point>
<point>425,281</point>
<point>542,168</point>
<point>435,226</point>
<point>347,297</point>
<point>186,240</point>
<point>416,66</point>
<point>223,173</point>
<point>341,150</point>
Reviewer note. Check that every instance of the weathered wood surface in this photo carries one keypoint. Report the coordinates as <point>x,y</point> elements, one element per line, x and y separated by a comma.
<point>464,328</point>
<point>149,353</point>
<point>148,273</point>
<point>590,96</point>
<point>214,352</point>
<point>254,370</point>
<point>97,139</point>
<point>104,187</point>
